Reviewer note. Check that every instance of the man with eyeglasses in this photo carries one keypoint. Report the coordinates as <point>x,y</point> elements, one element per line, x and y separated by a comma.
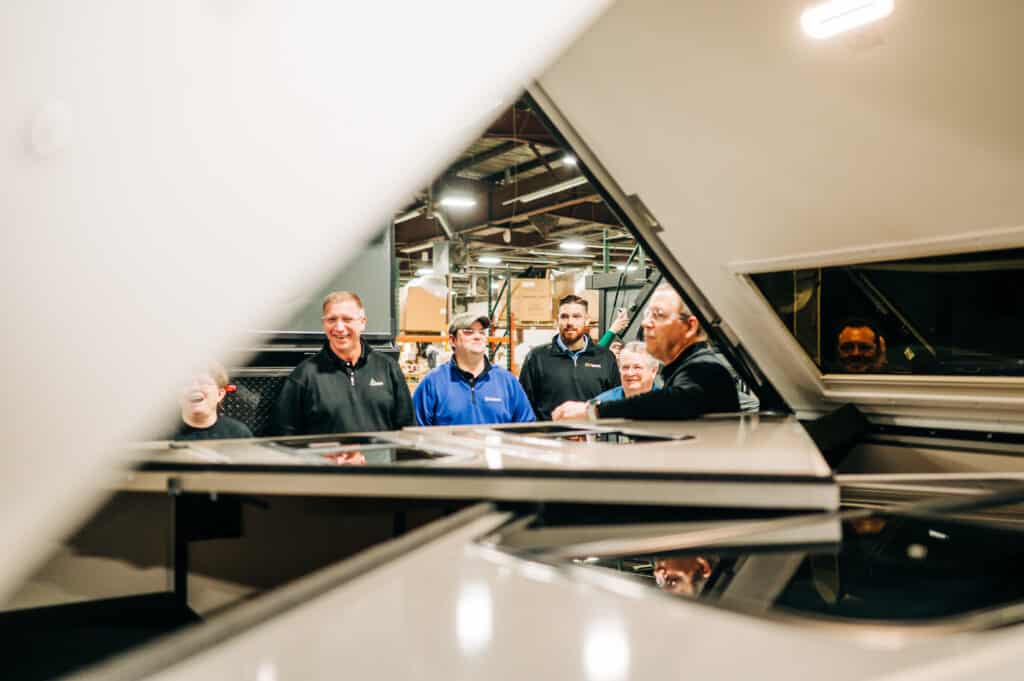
<point>347,387</point>
<point>569,368</point>
<point>469,389</point>
<point>696,381</point>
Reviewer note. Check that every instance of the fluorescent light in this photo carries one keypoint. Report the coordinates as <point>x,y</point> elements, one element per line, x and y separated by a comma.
<point>831,18</point>
<point>489,260</point>
<point>569,160</point>
<point>576,246</point>
<point>424,271</point>
<point>622,268</point>
<point>458,201</point>
<point>548,191</point>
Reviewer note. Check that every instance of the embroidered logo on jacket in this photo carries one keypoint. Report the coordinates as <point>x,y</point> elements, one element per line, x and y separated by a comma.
<point>374,383</point>
<point>592,365</point>
<point>489,398</point>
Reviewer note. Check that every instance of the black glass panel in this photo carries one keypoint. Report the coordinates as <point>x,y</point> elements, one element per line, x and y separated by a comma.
<point>538,430</point>
<point>950,315</point>
<point>330,441</point>
<point>887,567</point>
<point>618,438</point>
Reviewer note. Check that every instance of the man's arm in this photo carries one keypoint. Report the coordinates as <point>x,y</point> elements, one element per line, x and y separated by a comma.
<point>679,401</point>
<point>287,416</point>
<point>529,381</point>
<point>522,411</point>
<point>423,400</point>
<point>402,413</point>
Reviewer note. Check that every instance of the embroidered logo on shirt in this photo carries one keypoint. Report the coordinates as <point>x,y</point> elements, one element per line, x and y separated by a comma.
<point>488,398</point>
<point>592,365</point>
<point>374,383</point>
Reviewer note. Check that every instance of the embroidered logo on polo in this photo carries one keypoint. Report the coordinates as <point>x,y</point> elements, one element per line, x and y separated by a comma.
<point>490,398</point>
<point>374,383</point>
<point>592,365</point>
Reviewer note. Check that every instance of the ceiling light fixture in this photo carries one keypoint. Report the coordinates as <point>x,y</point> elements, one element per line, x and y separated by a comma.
<point>548,191</point>
<point>836,16</point>
<point>458,201</point>
<point>569,160</point>
<point>622,268</point>
<point>572,245</point>
<point>489,260</point>
<point>424,271</point>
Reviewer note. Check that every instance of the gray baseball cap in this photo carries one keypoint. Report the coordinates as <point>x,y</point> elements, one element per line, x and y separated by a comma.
<point>465,320</point>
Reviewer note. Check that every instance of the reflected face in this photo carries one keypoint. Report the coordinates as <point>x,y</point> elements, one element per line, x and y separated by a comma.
<point>572,322</point>
<point>472,340</point>
<point>636,374</point>
<point>355,458</point>
<point>201,396</point>
<point>859,350</point>
<point>344,323</point>
<point>681,576</point>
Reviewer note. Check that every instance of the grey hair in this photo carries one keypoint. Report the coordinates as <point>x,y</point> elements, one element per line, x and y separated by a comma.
<point>639,348</point>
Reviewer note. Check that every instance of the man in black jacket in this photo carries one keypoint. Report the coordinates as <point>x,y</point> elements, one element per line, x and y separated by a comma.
<point>571,366</point>
<point>346,387</point>
<point>696,379</point>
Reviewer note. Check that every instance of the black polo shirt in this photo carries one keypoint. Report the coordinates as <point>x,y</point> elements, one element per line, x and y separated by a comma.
<point>550,375</point>
<point>326,394</point>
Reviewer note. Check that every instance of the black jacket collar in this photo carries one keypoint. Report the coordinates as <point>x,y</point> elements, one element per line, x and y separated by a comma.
<point>338,362</point>
<point>683,357</point>
<point>556,349</point>
<point>461,373</point>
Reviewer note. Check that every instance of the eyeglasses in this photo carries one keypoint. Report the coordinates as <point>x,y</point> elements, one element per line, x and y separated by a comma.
<point>659,316</point>
<point>347,321</point>
<point>473,332</point>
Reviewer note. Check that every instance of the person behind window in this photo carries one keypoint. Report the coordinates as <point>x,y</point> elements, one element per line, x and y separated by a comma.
<point>696,380</point>
<point>469,389</point>
<point>860,348</point>
<point>571,366</point>
<point>637,370</point>
<point>201,402</point>
<point>347,387</point>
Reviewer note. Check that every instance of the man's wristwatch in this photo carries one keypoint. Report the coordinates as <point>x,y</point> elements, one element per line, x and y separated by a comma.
<point>592,406</point>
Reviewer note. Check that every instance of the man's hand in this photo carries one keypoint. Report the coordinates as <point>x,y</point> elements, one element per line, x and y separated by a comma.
<point>569,410</point>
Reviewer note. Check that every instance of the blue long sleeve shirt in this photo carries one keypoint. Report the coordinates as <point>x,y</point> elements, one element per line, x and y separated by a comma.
<point>449,396</point>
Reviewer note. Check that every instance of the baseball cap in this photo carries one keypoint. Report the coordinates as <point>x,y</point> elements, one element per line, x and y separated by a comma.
<point>465,320</point>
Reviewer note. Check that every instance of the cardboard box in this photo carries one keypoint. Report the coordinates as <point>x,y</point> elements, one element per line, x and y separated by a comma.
<point>572,283</point>
<point>424,312</point>
<point>531,301</point>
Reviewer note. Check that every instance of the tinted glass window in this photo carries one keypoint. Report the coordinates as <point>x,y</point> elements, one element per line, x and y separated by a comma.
<point>954,315</point>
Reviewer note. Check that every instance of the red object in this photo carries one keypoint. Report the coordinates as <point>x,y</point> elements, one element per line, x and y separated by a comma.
<point>230,388</point>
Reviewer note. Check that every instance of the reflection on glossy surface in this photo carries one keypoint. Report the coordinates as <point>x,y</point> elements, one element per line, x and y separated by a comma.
<point>474,617</point>
<point>355,458</point>
<point>605,651</point>
<point>684,576</point>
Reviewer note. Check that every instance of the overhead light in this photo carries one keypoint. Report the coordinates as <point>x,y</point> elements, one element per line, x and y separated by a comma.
<point>569,160</point>
<point>489,260</point>
<point>622,268</point>
<point>548,191</point>
<point>424,271</point>
<point>572,245</point>
<point>458,201</point>
<point>833,17</point>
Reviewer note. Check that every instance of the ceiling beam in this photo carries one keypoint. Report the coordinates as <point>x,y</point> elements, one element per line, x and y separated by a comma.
<point>546,160</point>
<point>483,157</point>
<point>522,125</point>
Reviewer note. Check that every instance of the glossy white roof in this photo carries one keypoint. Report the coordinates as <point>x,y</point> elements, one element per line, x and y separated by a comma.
<point>453,609</point>
<point>758,148</point>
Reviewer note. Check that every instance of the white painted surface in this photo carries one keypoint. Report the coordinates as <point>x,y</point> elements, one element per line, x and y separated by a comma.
<point>174,173</point>
<point>759,148</point>
<point>454,610</point>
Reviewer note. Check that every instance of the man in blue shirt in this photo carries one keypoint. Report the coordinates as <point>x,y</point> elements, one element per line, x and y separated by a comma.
<point>638,371</point>
<point>469,389</point>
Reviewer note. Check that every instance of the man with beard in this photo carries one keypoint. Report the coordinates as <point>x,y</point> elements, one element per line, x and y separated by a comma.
<point>571,366</point>
<point>346,387</point>
<point>696,380</point>
<point>859,347</point>
<point>469,389</point>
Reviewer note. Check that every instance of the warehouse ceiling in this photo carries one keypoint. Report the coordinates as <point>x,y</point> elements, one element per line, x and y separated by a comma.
<point>514,194</point>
